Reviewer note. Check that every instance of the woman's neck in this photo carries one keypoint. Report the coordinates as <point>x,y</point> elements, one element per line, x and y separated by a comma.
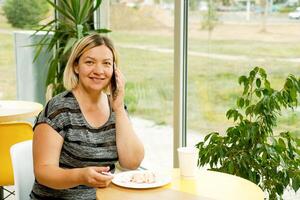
<point>89,98</point>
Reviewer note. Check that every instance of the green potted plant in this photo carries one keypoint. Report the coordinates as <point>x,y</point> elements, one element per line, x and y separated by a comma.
<point>251,149</point>
<point>74,22</point>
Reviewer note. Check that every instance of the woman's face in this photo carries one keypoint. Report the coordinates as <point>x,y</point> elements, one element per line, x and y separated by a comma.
<point>95,68</point>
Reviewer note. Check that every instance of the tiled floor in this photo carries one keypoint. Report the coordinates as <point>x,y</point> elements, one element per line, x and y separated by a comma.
<point>158,146</point>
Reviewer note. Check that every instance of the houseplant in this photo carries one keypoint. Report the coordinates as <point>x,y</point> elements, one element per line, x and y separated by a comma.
<point>72,22</point>
<point>251,149</point>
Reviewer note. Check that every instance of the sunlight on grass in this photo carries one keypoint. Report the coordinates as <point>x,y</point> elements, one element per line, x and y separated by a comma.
<point>149,84</point>
<point>142,38</point>
<point>7,68</point>
<point>212,91</point>
<point>226,47</point>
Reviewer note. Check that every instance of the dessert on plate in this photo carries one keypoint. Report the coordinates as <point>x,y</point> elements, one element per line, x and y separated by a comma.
<point>143,177</point>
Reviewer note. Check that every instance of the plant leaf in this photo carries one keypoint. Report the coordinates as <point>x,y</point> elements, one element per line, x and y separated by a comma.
<point>240,102</point>
<point>85,11</point>
<point>97,4</point>
<point>69,44</point>
<point>258,82</point>
<point>296,183</point>
<point>102,30</point>
<point>79,31</point>
<point>61,11</point>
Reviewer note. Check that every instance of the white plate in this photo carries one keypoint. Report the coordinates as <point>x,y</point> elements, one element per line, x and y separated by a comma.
<point>123,179</point>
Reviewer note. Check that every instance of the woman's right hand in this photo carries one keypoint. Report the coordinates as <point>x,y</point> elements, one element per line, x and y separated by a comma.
<point>92,176</point>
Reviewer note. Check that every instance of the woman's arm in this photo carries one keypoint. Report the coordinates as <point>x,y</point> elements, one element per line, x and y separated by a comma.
<point>130,148</point>
<point>47,145</point>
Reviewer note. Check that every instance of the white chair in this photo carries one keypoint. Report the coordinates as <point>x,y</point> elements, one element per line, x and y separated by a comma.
<point>22,162</point>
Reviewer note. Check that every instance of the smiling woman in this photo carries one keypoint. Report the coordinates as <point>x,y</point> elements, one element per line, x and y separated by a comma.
<point>83,132</point>
<point>93,54</point>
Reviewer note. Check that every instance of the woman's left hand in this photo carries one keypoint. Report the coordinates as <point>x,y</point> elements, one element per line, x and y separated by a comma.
<point>117,101</point>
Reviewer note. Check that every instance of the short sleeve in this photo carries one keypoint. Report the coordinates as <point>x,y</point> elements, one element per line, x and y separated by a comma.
<point>53,116</point>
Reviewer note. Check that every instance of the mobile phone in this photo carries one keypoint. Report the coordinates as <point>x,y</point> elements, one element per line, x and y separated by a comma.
<point>113,82</point>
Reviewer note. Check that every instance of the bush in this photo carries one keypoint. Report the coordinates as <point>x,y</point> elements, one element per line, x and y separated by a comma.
<point>25,13</point>
<point>287,9</point>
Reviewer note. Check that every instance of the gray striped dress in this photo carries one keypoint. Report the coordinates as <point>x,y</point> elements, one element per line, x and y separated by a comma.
<point>83,145</point>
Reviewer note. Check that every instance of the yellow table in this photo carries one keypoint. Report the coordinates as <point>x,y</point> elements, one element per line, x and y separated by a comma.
<point>17,110</point>
<point>208,185</point>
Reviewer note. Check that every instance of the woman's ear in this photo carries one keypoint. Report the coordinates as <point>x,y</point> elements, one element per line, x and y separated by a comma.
<point>76,70</point>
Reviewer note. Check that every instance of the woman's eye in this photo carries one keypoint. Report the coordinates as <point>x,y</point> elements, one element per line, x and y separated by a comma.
<point>89,62</point>
<point>107,64</point>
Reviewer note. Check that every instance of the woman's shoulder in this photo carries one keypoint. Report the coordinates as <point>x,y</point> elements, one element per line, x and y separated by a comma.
<point>61,101</point>
<point>61,96</point>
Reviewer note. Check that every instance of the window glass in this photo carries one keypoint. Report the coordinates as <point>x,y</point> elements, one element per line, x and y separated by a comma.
<point>143,34</point>
<point>225,42</point>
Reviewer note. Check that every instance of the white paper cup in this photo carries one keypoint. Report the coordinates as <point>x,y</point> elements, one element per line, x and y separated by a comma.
<point>188,158</point>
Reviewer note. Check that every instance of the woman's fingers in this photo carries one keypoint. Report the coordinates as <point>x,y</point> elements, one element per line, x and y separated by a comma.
<point>119,76</point>
<point>103,184</point>
<point>102,178</point>
<point>97,176</point>
<point>101,169</point>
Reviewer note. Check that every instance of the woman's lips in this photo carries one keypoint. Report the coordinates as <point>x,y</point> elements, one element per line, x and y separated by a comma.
<point>97,79</point>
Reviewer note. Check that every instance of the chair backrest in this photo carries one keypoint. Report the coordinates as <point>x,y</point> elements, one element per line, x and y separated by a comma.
<point>10,134</point>
<point>21,155</point>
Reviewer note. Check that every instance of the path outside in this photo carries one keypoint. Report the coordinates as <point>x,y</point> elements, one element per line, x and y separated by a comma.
<point>208,55</point>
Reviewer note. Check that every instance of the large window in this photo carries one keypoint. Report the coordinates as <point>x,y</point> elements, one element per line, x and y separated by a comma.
<point>143,33</point>
<point>226,41</point>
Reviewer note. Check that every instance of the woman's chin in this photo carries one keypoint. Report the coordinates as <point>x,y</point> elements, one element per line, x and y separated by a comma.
<point>97,88</point>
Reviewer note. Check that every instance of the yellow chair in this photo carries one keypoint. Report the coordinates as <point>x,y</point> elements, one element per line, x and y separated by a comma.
<point>10,134</point>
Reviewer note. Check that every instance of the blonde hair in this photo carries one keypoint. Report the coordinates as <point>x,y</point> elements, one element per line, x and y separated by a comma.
<point>86,43</point>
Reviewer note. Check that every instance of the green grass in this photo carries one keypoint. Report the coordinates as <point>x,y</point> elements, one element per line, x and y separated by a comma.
<point>212,87</point>
<point>7,68</point>
<point>149,84</point>
<point>251,48</point>
<point>7,60</point>
<point>129,37</point>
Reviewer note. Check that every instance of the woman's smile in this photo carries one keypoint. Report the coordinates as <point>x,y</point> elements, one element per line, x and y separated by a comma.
<point>95,68</point>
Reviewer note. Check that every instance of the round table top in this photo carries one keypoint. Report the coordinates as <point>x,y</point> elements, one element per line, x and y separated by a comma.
<point>13,110</point>
<point>207,185</point>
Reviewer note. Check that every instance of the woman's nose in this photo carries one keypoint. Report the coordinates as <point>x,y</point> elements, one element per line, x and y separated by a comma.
<point>99,68</point>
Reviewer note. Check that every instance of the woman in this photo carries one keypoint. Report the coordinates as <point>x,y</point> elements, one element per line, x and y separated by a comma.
<point>82,132</point>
